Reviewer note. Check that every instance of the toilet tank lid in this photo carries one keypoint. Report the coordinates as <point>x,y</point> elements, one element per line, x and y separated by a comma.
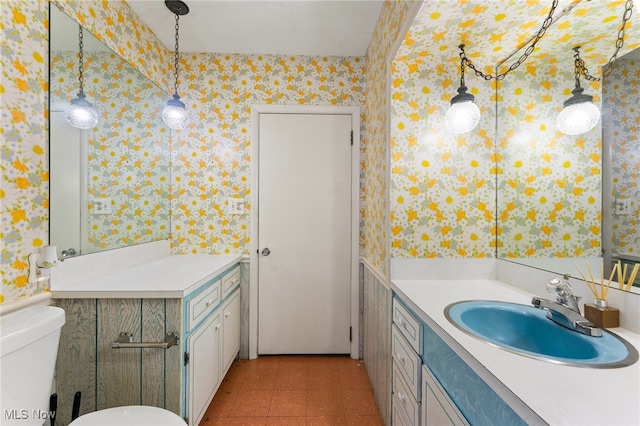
<point>27,325</point>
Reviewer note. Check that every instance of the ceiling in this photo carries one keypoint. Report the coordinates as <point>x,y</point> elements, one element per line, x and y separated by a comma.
<point>292,27</point>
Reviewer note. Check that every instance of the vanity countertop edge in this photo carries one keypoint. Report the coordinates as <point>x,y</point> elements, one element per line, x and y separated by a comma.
<point>558,394</point>
<point>172,276</point>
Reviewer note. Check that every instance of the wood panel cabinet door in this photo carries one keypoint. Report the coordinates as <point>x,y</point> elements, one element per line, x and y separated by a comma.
<point>203,368</point>
<point>230,330</point>
<point>437,407</point>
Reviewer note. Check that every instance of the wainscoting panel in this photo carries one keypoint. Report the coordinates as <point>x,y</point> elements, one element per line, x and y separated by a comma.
<point>377,338</point>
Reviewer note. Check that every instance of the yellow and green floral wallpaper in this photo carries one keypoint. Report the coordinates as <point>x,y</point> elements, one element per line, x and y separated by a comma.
<point>621,95</point>
<point>374,168</point>
<point>211,159</point>
<point>23,123</point>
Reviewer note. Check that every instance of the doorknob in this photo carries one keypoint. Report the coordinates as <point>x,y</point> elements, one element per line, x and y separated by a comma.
<point>265,251</point>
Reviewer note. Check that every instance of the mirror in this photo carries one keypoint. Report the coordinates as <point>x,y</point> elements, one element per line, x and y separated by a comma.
<point>621,164</point>
<point>554,210</point>
<point>109,186</point>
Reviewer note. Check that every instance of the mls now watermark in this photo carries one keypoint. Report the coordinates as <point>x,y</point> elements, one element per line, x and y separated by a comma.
<point>24,414</point>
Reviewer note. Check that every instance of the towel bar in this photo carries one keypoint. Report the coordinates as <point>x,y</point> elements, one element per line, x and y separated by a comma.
<point>125,340</point>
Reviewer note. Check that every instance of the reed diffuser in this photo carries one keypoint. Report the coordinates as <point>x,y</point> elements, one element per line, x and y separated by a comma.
<point>599,312</point>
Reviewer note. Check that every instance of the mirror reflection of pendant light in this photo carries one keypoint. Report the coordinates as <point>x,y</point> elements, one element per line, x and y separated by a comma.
<point>174,114</point>
<point>463,115</point>
<point>579,114</point>
<point>81,113</point>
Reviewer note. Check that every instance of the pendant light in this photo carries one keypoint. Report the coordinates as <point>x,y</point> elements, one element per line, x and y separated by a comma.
<point>81,113</point>
<point>174,114</point>
<point>579,114</point>
<point>463,115</point>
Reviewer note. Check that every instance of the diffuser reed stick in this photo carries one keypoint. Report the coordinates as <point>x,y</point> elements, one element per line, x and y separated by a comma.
<point>593,286</point>
<point>632,278</point>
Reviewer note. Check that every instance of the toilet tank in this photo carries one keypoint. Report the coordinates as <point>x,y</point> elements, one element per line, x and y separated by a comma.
<point>29,346</point>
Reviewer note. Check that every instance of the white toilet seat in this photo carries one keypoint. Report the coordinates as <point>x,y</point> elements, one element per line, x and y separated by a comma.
<point>130,415</point>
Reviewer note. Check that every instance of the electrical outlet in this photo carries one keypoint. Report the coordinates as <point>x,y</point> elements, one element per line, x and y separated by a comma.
<point>235,206</point>
<point>102,206</point>
<point>623,207</point>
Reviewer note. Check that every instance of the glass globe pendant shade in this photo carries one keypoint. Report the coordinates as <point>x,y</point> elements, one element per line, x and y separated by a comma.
<point>463,115</point>
<point>174,114</point>
<point>81,113</point>
<point>579,114</point>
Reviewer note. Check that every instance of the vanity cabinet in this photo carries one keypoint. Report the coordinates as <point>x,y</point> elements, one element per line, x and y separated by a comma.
<point>406,339</point>
<point>431,384</point>
<point>182,378</point>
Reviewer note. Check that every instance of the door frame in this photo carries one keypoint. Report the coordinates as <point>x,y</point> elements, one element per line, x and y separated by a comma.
<point>354,112</point>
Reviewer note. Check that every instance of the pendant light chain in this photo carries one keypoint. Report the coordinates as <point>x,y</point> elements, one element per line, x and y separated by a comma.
<point>80,60</point>
<point>462,63</point>
<point>608,68</point>
<point>177,54</point>
<point>541,32</point>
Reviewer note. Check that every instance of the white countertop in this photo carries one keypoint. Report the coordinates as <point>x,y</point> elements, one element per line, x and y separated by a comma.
<point>559,394</point>
<point>173,276</point>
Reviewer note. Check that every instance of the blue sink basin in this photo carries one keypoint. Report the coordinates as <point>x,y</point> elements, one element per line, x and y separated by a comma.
<point>527,331</point>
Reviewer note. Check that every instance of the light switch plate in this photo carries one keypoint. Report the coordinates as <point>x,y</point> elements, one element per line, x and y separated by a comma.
<point>623,207</point>
<point>101,206</point>
<point>235,206</point>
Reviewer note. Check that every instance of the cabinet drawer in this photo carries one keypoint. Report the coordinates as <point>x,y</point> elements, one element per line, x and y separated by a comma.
<point>408,325</point>
<point>230,281</point>
<point>402,398</point>
<point>407,360</point>
<point>202,304</point>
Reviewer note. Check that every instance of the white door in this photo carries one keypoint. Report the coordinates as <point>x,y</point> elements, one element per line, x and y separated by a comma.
<point>304,233</point>
<point>67,191</point>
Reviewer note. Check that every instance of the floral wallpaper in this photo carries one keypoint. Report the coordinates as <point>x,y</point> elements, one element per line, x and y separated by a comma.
<point>24,160</point>
<point>621,94</point>
<point>374,168</point>
<point>442,186</point>
<point>128,151</point>
<point>212,158</point>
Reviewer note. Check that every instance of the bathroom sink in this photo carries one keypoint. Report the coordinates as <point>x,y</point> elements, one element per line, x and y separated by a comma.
<point>527,331</point>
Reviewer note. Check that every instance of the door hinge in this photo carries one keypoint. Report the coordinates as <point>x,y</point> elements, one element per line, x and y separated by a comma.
<point>186,358</point>
<point>352,138</point>
<point>350,334</point>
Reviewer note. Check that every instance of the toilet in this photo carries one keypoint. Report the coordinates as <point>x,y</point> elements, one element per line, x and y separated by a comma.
<point>28,346</point>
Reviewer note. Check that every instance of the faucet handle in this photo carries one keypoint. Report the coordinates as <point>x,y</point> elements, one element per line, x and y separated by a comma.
<point>560,288</point>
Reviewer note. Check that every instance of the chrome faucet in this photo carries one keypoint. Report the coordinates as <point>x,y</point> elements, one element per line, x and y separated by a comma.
<point>565,310</point>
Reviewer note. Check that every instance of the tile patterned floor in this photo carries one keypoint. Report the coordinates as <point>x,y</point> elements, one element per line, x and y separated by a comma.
<point>294,390</point>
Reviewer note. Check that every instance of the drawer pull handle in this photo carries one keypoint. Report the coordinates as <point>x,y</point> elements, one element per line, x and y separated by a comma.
<point>217,327</point>
<point>399,357</point>
<point>226,315</point>
<point>402,323</point>
<point>125,340</point>
<point>401,397</point>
